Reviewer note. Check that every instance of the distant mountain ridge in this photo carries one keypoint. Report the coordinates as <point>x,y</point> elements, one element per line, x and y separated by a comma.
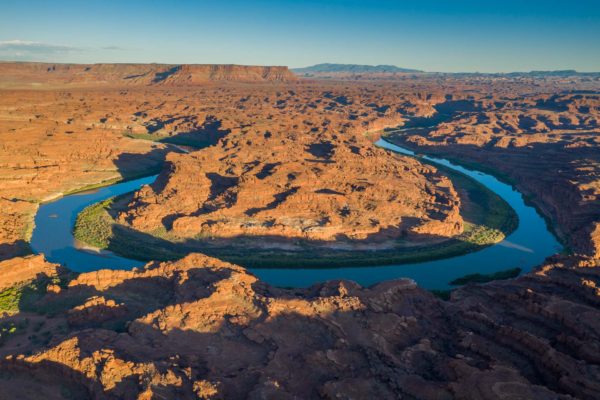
<point>332,70</point>
<point>556,73</point>
<point>35,73</point>
<point>352,69</point>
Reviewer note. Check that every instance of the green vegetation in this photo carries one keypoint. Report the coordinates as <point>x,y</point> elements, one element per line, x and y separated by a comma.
<point>488,219</point>
<point>21,297</point>
<point>477,278</point>
<point>26,297</point>
<point>93,186</point>
<point>11,328</point>
<point>9,300</point>
<point>483,278</point>
<point>94,225</point>
<point>501,176</point>
<point>146,247</point>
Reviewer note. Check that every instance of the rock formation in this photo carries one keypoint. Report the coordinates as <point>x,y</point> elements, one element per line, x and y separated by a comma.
<point>52,142</point>
<point>203,328</point>
<point>200,327</point>
<point>319,187</point>
<point>21,270</point>
<point>546,144</point>
<point>57,140</point>
<point>138,74</point>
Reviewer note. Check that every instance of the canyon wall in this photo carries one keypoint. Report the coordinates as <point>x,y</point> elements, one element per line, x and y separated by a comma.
<point>545,144</point>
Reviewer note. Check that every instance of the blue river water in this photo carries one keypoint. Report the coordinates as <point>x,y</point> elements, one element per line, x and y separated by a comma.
<point>526,247</point>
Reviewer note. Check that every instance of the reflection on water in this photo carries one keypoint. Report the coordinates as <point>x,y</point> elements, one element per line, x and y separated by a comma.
<point>507,243</point>
<point>526,247</point>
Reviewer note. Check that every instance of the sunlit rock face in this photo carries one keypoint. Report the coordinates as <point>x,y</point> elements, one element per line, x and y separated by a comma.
<point>547,144</point>
<point>140,74</point>
<point>200,327</point>
<point>317,187</point>
<point>82,127</point>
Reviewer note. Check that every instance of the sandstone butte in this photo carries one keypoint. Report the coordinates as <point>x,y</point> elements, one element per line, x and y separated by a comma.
<point>138,74</point>
<point>203,328</point>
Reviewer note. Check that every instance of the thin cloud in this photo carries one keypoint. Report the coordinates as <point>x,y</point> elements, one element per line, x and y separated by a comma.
<point>24,47</point>
<point>25,50</point>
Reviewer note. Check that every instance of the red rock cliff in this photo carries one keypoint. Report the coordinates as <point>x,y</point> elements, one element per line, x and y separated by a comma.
<point>139,74</point>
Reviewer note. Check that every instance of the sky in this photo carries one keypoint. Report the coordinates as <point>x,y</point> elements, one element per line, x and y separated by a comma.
<point>431,35</point>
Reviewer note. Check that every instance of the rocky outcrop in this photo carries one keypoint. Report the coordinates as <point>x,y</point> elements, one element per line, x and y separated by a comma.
<point>95,310</point>
<point>53,142</point>
<point>202,327</point>
<point>56,140</point>
<point>196,74</point>
<point>19,270</point>
<point>546,144</point>
<point>322,188</point>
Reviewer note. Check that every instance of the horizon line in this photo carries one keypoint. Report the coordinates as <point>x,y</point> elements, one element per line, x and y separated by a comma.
<point>416,71</point>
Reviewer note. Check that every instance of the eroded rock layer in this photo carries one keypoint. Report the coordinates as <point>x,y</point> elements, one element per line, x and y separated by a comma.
<point>320,187</point>
<point>53,142</point>
<point>57,140</point>
<point>202,328</point>
<point>12,73</point>
<point>546,144</point>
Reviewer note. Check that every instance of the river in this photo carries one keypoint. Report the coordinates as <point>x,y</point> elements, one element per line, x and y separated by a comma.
<point>526,247</point>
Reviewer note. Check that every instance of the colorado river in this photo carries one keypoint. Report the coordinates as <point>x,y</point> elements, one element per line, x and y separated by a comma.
<point>526,247</point>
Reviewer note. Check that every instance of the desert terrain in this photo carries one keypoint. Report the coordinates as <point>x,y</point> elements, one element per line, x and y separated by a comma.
<point>261,154</point>
<point>546,144</point>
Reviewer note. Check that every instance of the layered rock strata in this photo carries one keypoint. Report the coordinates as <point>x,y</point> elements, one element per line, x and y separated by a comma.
<point>320,187</point>
<point>138,74</point>
<point>546,144</point>
<point>203,328</point>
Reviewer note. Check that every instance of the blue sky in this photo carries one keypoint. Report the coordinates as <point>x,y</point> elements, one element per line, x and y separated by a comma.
<point>435,35</point>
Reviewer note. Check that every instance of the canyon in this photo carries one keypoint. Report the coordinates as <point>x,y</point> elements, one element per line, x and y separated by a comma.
<point>202,328</point>
<point>560,130</point>
<point>295,158</point>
